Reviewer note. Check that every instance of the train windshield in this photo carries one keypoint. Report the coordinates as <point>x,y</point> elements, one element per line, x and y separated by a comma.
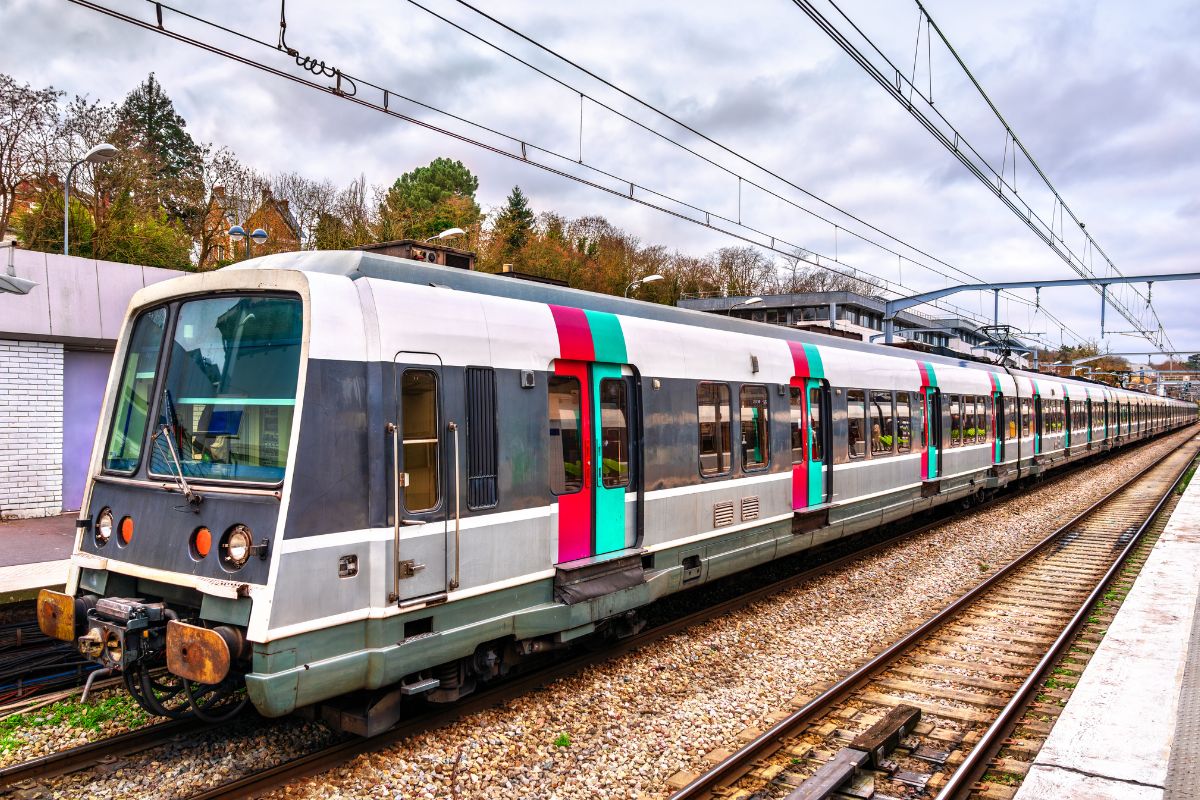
<point>227,399</point>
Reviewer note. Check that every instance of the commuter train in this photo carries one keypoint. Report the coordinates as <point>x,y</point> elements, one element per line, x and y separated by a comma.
<point>328,480</point>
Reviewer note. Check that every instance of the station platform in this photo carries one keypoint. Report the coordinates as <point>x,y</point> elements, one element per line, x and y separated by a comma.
<point>1131,729</point>
<point>34,554</point>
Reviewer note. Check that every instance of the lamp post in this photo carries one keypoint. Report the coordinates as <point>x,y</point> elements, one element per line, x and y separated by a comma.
<point>446,234</point>
<point>258,236</point>
<point>100,154</point>
<point>753,301</point>
<point>640,281</point>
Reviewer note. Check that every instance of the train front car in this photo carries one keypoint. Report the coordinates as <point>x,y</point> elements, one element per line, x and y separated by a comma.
<point>188,474</point>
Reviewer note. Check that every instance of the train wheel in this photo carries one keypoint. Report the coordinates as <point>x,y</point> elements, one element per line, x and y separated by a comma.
<point>216,702</point>
<point>162,695</point>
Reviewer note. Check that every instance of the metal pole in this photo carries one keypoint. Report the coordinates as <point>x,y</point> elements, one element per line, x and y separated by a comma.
<point>67,208</point>
<point>996,307</point>
<point>1103,302</point>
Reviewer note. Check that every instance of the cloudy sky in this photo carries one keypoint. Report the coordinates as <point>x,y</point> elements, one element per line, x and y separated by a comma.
<point>1105,95</point>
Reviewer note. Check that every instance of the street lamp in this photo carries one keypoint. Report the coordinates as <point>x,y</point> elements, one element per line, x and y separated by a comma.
<point>100,154</point>
<point>446,234</point>
<point>238,232</point>
<point>640,281</point>
<point>753,301</point>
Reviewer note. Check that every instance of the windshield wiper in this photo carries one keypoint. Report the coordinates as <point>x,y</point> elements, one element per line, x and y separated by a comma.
<point>193,498</point>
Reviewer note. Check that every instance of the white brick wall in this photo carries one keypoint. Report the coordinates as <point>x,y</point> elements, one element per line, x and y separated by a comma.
<point>31,428</point>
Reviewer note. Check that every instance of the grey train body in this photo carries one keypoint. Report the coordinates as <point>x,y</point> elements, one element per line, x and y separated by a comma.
<point>350,590</point>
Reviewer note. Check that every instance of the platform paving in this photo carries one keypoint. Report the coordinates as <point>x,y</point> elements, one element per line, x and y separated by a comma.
<point>1115,738</point>
<point>34,554</point>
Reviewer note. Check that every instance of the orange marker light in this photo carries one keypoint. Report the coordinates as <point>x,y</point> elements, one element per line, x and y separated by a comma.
<point>126,530</point>
<point>202,542</point>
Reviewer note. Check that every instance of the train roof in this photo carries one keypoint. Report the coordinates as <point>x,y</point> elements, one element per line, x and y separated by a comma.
<point>355,264</point>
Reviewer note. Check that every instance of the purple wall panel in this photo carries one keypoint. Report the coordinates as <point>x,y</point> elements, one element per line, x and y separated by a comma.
<point>84,377</point>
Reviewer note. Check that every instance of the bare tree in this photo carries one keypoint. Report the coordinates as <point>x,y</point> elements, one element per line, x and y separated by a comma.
<point>28,124</point>
<point>307,199</point>
<point>802,272</point>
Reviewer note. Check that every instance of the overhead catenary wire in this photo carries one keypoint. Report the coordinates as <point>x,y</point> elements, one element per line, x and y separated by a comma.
<point>746,232</point>
<point>896,84</point>
<point>694,131</point>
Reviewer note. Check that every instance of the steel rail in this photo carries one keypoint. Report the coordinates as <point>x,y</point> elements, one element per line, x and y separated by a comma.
<point>977,760</point>
<point>728,769</point>
<point>81,757</point>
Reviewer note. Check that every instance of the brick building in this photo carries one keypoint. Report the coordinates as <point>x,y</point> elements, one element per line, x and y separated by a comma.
<point>271,214</point>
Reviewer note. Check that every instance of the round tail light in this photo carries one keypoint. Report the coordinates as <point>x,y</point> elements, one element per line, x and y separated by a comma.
<point>201,542</point>
<point>126,530</point>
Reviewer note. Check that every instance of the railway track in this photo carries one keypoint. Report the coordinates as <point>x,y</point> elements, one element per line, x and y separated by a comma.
<point>925,717</point>
<point>105,753</point>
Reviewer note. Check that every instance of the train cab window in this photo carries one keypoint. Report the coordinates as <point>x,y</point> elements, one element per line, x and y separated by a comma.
<point>712,406</point>
<point>1026,417</point>
<point>134,393</point>
<point>566,435</point>
<point>756,430</point>
<point>814,422</point>
<point>903,422</point>
<point>883,424</point>
<point>856,416</point>
<point>614,433</point>
<point>956,421</point>
<point>419,423</point>
<point>1010,418</point>
<point>796,397</point>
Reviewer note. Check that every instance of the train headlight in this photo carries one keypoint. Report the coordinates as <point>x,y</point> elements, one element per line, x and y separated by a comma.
<point>237,547</point>
<point>104,526</point>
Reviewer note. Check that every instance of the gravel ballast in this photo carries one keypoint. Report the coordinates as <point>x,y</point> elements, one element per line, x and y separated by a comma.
<point>623,728</point>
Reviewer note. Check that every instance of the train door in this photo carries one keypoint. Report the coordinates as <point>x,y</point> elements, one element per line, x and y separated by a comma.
<point>422,456</point>
<point>1068,420</point>
<point>1037,424</point>
<point>999,424</point>
<point>931,433</point>
<point>812,482</point>
<point>593,431</point>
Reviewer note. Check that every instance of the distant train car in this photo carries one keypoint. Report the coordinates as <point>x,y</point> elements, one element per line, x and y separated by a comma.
<point>321,473</point>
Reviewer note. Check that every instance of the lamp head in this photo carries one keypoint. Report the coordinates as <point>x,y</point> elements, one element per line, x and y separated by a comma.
<point>258,236</point>
<point>101,154</point>
<point>651,278</point>
<point>753,301</point>
<point>237,232</point>
<point>446,234</point>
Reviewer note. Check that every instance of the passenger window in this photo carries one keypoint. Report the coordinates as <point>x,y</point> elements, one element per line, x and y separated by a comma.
<point>756,436</point>
<point>814,422</point>
<point>856,413</point>
<point>419,413</point>
<point>980,420</point>
<point>883,432</point>
<point>1010,418</point>
<point>614,428</point>
<point>903,422</point>
<point>566,435</point>
<point>481,438</point>
<point>1026,417</point>
<point>712,406</point>
<point>796,397</point>
<point>956,421</point>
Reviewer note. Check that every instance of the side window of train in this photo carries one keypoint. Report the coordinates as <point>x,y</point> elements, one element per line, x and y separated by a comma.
<point>1026,417</point>
<point>956,421</point>
<point>566,434</point>
<point>814,410</point>
<point>756,431</point>
<point>796,397</point>
<point>883,424</point>
<point>481,438</point>
<point>903,422</point>
<point>712,412</point>
<point>419,411</point>
<point>1010,418</point>
<point>856,414</point>
<point>614,424</point>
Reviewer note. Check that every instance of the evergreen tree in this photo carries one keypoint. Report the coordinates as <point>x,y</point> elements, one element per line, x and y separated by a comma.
<point>428,200</point>
<point>148,121</point>
<point>515,222</point>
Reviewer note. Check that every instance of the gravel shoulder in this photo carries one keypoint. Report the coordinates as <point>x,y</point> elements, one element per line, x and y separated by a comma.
<point>621,729</point>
